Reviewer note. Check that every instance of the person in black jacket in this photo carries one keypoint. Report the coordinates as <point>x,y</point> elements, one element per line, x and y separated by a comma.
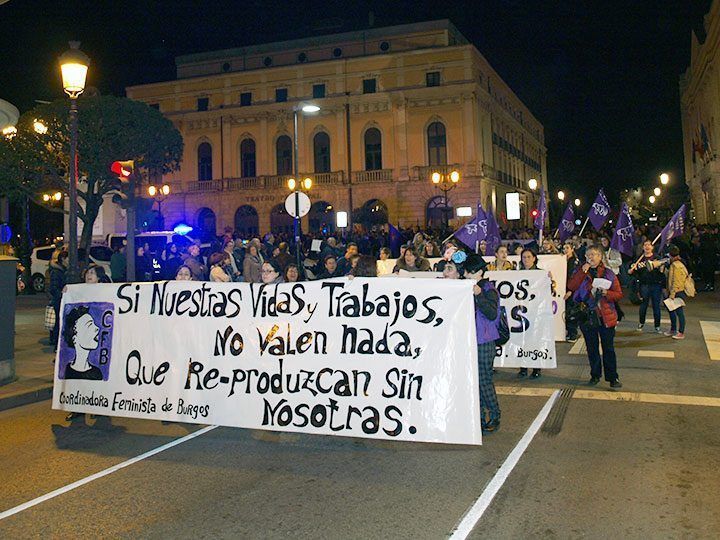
<point>58,276</point>
<point>649,270</point>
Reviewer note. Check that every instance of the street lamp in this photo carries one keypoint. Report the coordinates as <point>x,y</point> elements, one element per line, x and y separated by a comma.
<point>561,195</point>
<point>446,182</point>
<point>39,127</point>
<point>664,179</point>
<point>651,199</point>
<point>297,187</point>
<point>532,184</point>
<point>657,191</point>
<point>577,202</point>
<point>159,194</point>
<point>73,66</point>
<point>307,108</point>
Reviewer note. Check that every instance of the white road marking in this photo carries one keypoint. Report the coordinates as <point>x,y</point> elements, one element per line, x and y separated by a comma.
<point>607,395</point>
<point>109,470</point>
<point>657,354</point>
<point>579,346</point>
<point>476,511</point>
<point>711,333</point>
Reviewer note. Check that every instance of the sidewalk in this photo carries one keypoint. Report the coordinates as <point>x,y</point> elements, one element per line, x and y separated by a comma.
<point>33,356</point>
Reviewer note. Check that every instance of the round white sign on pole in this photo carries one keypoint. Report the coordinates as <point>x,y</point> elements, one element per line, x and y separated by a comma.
<point>304,205</point>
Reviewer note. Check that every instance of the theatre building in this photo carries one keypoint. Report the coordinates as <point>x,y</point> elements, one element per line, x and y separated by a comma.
<point>700,106</point>
<point>395,105</point>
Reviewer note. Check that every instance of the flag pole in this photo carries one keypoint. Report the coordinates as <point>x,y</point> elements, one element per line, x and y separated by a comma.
<point>583,227</point>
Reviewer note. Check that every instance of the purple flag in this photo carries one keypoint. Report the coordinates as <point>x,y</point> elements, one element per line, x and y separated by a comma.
<point>622,238</point>
<point>541,211</point>
<point>474,230</point>
<point>394,240</point>
<point>675,227</point>
<point>493,234</point>
<point>599,211</point>
<point>567,224</point>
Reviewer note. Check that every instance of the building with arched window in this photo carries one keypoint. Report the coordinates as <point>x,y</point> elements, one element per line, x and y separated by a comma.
<point>396,104</point>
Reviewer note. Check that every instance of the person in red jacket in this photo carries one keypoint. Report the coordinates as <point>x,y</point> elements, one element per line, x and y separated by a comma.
<point>602,315</point>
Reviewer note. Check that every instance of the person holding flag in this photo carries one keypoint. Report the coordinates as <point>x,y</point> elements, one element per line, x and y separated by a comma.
<point>541,214</point>
<point>650,272</point>
<point>474,231</point>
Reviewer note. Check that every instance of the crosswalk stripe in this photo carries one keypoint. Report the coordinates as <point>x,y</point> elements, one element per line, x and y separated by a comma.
<point>578,347</point>
<point>607,395</point>
<point>711,333</point>
<point>657,354</point>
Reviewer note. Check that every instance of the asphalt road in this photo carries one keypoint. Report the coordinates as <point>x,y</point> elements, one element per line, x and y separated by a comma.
<point>641,463</point>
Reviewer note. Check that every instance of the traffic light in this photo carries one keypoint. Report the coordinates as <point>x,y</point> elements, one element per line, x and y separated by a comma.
<point>123,169</point>
<point>534,213</point>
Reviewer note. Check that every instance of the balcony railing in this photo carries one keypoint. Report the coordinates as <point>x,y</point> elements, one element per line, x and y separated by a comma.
<point>381,175</point>
<point>329,178</point>
<point>424,172</point>
<point>204,185</point>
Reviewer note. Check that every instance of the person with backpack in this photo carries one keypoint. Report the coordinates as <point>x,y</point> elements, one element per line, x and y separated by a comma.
<point>599,326</point>
<point>677,281</point>
<point>487,311</point>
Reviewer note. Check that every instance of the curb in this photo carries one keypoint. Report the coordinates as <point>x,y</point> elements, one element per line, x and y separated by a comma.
<point>25,398</point>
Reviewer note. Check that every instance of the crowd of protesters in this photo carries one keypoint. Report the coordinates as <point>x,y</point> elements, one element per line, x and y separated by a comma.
<point>647,277</point>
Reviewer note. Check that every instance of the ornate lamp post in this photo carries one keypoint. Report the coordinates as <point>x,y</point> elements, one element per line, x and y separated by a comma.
<point>445,182</point>
<point>159,194</point>
<point>73,66</point>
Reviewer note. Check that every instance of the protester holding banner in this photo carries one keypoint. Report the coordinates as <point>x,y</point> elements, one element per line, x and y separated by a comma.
<point>649,271</point>
<point>528,261</point>
<point>501,260</point>
<point>184,273</point>
<point>366,267</point>
<point>597,289</point>
<point>252,265</point>
<point>218,262</point>
<point>291,273</point>
<point>271,272</point>
<point>676,281</point>
<point>448,251</point>
<point>411,262</point>
<point>487,309</point>
<point>330,269</point>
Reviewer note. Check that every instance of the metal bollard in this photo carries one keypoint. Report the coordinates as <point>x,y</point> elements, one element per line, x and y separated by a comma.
<point>8,285</point>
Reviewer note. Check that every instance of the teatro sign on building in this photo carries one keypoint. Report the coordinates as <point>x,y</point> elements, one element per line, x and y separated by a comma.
<point>402,101</point>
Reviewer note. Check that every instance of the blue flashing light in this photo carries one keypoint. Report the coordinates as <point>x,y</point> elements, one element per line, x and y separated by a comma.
<point>182,229</point>
<point>5,233</point>
<point>578,222</point>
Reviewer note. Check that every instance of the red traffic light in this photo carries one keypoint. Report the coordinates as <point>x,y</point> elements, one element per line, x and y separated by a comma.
<point>123,169</point>
<point>534,213</point>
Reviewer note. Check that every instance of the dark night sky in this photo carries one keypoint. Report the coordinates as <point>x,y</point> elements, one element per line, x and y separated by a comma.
<point>602,75</point>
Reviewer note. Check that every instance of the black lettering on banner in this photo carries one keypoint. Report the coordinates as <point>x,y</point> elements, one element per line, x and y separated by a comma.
<point>221,341</point>
<point>401,384</point>
<point>517,314</point>
<point>132,303</point>
<point>139,374</point>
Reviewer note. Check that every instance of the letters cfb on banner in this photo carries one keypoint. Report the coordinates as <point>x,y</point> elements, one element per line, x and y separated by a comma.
<point>363,358</point>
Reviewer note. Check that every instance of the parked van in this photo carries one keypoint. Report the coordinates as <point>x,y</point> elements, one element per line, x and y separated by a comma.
<point>40,261</point>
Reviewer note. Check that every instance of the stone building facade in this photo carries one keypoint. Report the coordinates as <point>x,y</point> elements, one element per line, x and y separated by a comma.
<point>700,106</point>
<point>396,104</point>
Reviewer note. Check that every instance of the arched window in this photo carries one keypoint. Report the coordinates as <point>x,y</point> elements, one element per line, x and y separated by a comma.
<point>247,158</point>
<point>246,220</point>
<point>436,212</point>
<point>373,150</point>
<point>283,155</point>
<point>322,217</point>
<point>321,151</point>
<point>437,148</point>
<point>206,223</point>
<point>205,161</point>
<point>280,220</point>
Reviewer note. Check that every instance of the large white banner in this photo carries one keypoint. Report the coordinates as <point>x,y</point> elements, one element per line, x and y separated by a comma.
<point>555,264</point>
<point>364,358</point>
<point>528,303</point>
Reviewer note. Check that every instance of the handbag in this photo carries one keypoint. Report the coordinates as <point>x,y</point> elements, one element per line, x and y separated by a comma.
<point>576,313</point>
<point>690,286</point>
<point>49,317</point>
<point>503,328</point>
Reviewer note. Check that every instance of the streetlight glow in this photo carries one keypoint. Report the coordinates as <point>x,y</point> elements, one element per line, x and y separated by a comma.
<point>291,184</point>
<point>9,132</point>
<point>39,127</point>
<point>310,108</point>
<point>307,183</point>
<point>46,197</point>
<point>435,177</point>
<point>664,178</point>
<point>532,184</point>
<point>657,191</point>
<point>152,191</point>
<point>561,195</point>
<point>57,196</point>
<point>74,67</point>
<point>651,199</point>
<point>577,202</point>
<point>165,190</point>
<point>454,177</point>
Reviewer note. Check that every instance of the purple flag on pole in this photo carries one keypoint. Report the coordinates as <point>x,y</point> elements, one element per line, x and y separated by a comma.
<point>474,230</point>
<point>493,234</point>
<point>599,211</point>
<point>541,211</point>
<point>622,238</point>
<point>675,227</point>
<point>394,240</point>
<point>567,223</point>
